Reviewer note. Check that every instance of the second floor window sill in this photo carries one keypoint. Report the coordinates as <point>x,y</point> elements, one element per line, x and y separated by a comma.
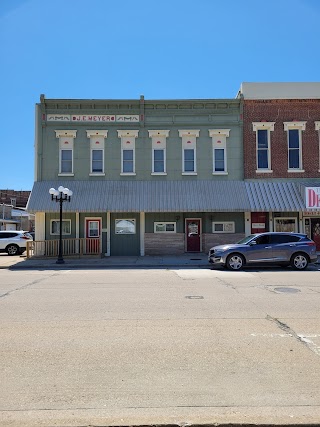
<point>219,173</point>
<point>65,174</point>
<point>128,174</point>
<point>264,171</point>
<point>159,173</point>
<point>295,170</point>
<point>97,174</point>
<point>189,173</point>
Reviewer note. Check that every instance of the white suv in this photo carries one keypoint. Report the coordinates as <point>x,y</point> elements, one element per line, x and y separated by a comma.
<point>14,242</point>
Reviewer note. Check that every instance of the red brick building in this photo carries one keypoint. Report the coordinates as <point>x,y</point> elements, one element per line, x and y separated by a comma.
<point>281,126</point>
<point>15,198</point>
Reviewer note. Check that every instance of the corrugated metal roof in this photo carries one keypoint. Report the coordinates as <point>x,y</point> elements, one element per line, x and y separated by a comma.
<point>281,196</point>
<point>143,196</point>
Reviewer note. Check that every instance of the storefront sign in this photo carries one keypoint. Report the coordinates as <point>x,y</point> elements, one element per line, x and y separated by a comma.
<point>313,197</point>
<point>97,118</point>
<point>261,225</point>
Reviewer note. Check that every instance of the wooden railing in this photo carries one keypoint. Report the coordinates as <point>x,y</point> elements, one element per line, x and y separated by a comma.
<point>70,247</point>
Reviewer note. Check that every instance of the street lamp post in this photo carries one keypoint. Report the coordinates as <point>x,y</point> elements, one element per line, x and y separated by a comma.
<point>61,195</point>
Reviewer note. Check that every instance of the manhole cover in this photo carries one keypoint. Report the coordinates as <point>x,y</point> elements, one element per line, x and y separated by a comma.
<point>194,297</point>
<point>288,290</point>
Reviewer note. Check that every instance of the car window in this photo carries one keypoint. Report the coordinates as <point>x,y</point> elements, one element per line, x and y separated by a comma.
<point>7,235</point>
<point>283,238</point>
<point>262,240</point>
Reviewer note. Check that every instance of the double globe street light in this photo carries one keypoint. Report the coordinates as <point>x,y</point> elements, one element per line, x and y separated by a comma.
<point>61,195</point>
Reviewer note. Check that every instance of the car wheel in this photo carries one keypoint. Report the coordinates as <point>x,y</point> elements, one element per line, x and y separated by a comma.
<point>299,261</point>
<point>235,262</point>
<point>13,250</point>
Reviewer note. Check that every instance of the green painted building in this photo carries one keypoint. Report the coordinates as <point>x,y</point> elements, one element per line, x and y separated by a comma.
<point>148,176</point>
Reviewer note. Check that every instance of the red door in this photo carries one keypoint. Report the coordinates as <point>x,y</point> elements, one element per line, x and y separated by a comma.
<point>258,222</point>
<point>193,233</point>
<point>93,231</point>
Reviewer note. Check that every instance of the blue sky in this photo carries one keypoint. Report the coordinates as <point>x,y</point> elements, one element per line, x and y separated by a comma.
<point>123,49</point>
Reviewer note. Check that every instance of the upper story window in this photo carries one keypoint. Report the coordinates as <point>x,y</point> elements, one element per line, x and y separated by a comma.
<point>189,151</point>
<point>97,142</point>
<point>66,142</point>
<point>219,150</point>
<point>317,127</point>
<point>294,132</point>
<point>263,146</point>
<point>159,143</point>
<point>128,138</point>
<point>13,202</point>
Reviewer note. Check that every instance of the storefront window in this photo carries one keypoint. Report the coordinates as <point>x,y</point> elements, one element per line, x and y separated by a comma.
<point>125,226</point>
<point>288,225</point>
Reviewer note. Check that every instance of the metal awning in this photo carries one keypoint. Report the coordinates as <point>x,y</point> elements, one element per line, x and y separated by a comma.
<point>143,196</point>
<point>173,196</point>
<point>275,196</point>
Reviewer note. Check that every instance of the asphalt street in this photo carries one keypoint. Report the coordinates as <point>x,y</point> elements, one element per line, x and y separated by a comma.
<point>183,345</point>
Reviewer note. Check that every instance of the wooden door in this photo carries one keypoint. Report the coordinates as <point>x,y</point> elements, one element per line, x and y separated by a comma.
<point>193,235</point>
<point>93,232</point>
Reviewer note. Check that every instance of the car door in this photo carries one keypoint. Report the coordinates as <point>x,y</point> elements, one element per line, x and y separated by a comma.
<point>259,250</point>
<point>2,241</point>
<point>283,246</point>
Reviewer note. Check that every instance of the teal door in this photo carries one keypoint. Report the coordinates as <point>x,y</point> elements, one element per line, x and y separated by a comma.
<point>125,235</point>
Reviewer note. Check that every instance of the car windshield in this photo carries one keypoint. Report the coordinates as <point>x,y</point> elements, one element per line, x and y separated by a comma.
<point>246,239</point>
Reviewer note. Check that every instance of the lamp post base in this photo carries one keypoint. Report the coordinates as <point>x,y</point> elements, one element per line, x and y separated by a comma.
<point>60,261</point>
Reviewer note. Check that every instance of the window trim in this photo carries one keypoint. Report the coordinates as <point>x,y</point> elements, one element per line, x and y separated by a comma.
<point>269,127</point>
<point>189,142</point>
<point>164,162</point>
<point>222,144</point>
<point>66,137</point>
<point>300,126</point>
<point>281,218</point>
<point>128,137</point>
<point>125,219</point>
<point>157,223</point>
<point>159,142</point>
<point>97,142</point>
<point>224,223</point>
<point>58,220</point>
<point>92,173</point>
<point>60,162</point>
<point>317,127</point>
<point>194,171</point>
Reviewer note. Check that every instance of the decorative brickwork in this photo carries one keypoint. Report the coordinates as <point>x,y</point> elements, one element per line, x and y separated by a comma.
<point>280,111</point>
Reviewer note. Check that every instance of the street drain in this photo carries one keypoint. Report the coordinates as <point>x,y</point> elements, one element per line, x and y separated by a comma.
<point>194,297</point>
<point>287,290</point>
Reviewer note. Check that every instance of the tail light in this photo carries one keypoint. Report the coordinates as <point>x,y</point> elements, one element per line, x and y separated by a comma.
<point>25,237</point>
<point>311,244</point>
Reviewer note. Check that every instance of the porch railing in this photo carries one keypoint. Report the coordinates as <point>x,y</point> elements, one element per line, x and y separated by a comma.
<point>70,247</point>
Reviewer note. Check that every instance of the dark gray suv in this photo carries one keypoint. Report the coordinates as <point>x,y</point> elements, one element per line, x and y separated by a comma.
<point>293,249</point>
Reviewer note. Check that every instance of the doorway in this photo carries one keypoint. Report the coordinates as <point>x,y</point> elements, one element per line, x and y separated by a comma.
<point>193,235</point>
<point>93,233</point>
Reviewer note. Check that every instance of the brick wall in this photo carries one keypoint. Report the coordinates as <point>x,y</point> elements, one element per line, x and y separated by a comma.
<point>173,244</point>
<point>209,240</point>
<point>164,244</point>
<point>280,111</point>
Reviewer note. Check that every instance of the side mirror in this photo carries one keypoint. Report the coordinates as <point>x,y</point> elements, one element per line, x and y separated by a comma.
<point>253,243</point>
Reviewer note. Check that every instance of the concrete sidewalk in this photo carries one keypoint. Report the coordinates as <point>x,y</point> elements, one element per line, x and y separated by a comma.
<point>187,260</point>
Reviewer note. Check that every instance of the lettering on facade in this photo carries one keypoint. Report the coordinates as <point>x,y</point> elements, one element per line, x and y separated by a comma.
<point>313,197</point>
<point>95,118</point>
<point>58,117</point>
